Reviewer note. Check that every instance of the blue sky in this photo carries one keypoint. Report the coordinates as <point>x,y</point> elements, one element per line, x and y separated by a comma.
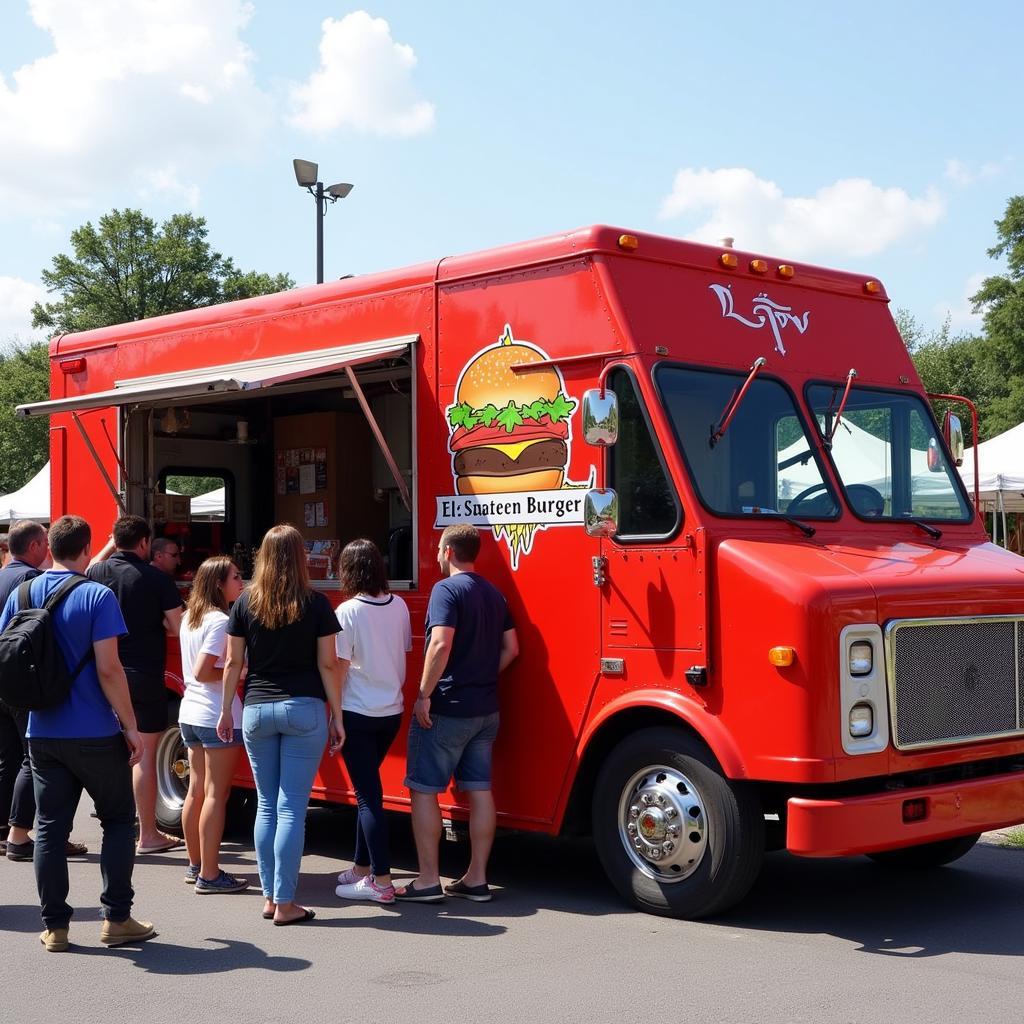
<point>884,138</point>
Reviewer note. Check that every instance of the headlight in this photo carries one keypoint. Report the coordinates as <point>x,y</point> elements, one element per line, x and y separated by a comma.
<point>862,720</point>
<point>862,658</point>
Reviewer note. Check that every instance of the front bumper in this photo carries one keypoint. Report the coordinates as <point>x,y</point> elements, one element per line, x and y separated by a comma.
<point>867,824</point>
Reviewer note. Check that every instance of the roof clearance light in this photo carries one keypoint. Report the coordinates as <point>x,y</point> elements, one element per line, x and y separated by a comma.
<point>729,259</point>
<point>782,657</point>
<point>72,366</point>
<point>759,266</point>
<point>785,270</point>
<point>629,242</point>
<point>872,287</point>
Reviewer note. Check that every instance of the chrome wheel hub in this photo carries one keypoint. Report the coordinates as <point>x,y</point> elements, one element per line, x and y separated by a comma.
<point>663,823</point>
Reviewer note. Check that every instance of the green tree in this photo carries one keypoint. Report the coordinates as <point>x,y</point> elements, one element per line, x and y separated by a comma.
<point>24,444</point>
<point>129,268</point>
<point>1001,297</point>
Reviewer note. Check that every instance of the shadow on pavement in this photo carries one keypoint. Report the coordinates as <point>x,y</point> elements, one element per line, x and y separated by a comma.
<point>972,906</point>
<point>157,957</point>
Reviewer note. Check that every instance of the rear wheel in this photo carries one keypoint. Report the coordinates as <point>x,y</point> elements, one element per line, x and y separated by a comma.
<point>927,855</point>
<point>172,773</point>
<point>675,836</point>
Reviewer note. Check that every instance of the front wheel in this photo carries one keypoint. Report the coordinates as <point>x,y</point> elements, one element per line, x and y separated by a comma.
<point>927,855</point>
<point>172,772</point>
<point>675,837</point>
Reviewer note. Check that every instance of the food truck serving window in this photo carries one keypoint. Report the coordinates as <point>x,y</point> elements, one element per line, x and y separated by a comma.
<point>887,454</point>
<point>329,450</point>
<point>765,463</point>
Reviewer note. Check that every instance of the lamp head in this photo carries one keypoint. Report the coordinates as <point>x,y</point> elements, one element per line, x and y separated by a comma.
<point>305,172</point>
<point>339,191</point>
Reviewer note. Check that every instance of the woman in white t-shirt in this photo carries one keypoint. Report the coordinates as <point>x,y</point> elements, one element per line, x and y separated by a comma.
<point>217,585</point>
<point>375,636</point>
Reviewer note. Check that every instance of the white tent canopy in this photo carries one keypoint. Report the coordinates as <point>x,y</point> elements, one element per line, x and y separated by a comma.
<point>29,502</point>
<point>1000,470</point>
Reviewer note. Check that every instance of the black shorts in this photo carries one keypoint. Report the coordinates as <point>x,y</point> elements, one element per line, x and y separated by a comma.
<point>149,699</point>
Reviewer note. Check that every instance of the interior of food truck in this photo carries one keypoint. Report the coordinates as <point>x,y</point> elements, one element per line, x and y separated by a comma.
<point>332,454</point>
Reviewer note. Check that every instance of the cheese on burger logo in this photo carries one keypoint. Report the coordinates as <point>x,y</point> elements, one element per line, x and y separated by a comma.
<point>510,437</point>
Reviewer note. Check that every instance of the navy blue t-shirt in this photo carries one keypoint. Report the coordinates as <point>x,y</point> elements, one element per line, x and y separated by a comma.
<point>477,611</point>
<point>12,575</point>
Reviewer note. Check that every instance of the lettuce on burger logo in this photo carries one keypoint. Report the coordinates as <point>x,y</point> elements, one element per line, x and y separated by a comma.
<point>510,435</point>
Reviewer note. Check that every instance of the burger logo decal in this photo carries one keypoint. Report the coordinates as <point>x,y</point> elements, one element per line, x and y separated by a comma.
<point>510,437</point>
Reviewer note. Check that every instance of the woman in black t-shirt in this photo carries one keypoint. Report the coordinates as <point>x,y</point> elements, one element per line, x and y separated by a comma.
<point>287,629</point>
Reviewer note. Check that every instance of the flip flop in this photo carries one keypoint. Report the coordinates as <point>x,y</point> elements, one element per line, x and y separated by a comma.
<point>307,916</point>
<point>171,844</point>
<point>476,893</point>
<point>409,894</point>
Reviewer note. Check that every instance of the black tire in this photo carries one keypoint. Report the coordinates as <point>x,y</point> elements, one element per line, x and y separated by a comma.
<point>171,775</point>
<point>927,855</point>
<point>714,873</point>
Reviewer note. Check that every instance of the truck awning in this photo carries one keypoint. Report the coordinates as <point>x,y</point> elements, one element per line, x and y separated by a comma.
<point>231,377</point>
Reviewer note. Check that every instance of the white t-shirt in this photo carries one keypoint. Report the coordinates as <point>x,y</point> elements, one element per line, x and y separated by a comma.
<point>375,635</point>
<point>202,701</point>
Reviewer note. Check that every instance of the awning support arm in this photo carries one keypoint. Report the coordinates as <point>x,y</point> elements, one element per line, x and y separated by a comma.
<point>403,487</point>
<point>99,464</point>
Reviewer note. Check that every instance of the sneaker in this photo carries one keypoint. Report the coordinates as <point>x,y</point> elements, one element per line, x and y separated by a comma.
<point>349,877</point>
<point>222,883</point>
<point>367,889</point>
<point>118,933</point>
<point>191,874</point>
<point>55,940</point>
<point>26,851</point>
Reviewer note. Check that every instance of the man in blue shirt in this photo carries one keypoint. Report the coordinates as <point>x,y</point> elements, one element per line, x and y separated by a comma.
<point>89,741</point>
<point>470,640</point>
<point>29,551</point>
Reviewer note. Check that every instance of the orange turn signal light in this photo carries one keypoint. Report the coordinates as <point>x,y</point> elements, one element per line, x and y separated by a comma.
<point>872,287</point>
<point>630,242</point>
<point>785,270</point>
<point>759,266</point>
<point>782,657</point>
<point>729,259</point>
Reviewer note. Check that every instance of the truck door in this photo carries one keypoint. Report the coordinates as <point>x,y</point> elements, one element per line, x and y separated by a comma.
<point>654,610</point>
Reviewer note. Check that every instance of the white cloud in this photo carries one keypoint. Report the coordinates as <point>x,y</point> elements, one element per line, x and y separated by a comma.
<point>364,83</point>
<point>165,181</point>
<point>16,299</point>
<point>961,173</point>
<point>130,88</point>
<point>961,316</point>
<point>850,218</point>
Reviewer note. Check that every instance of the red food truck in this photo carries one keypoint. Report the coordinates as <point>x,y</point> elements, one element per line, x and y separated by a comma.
<point>756,607</point>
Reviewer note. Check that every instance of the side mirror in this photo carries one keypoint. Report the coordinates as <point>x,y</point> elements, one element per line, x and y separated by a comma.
<point>953,432</point>
<point>600,417</point>
<point>601,512</point>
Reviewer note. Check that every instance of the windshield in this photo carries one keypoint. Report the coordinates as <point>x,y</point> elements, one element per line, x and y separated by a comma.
<point>765,462</point>
<point>887,455</point>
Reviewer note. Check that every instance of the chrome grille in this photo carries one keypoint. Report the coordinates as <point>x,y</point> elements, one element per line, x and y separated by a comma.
<point>955,679</point>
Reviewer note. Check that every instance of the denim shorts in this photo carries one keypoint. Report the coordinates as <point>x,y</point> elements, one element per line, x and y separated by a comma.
<point>206,736</point>
<point>452,746</point>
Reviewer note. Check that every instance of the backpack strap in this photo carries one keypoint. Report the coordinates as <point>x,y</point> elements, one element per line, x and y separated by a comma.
<point>51,603</point>
<point>24,595</point>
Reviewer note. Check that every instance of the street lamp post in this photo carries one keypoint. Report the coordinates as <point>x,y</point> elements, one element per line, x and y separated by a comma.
<point>307,175</point>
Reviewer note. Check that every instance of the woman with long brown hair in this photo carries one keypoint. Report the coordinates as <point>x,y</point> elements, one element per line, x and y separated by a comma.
<point>287,629</point>
<point>212,761</point>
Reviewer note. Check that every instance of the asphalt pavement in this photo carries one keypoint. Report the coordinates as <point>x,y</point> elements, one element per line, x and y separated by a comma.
<point>816,941</point>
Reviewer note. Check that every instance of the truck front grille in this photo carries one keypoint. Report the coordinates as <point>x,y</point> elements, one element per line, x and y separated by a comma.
<point>955,679</point>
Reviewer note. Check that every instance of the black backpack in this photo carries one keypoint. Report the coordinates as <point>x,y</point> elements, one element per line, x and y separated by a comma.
<point>33,673</point>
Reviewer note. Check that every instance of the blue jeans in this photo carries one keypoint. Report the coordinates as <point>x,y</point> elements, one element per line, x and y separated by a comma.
<point>285,740</point>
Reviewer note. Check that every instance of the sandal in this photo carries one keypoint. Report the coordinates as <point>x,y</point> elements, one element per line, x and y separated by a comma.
<point>410,894</point>
<point>476,893</point>
<point>307,915</point>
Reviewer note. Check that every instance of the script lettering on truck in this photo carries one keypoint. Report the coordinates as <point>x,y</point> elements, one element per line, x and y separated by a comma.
<point>510,438</point>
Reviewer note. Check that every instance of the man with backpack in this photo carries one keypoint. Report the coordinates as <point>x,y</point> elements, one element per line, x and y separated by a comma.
<point>61,662</point>
<point>29,553</point>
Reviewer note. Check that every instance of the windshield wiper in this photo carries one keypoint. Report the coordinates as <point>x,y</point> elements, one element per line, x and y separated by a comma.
<point>807,531</point>
<point>718,431</point>
<point>932,531</point>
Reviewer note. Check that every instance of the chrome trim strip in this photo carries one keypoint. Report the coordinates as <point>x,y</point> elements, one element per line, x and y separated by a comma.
<point>894,625</point>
